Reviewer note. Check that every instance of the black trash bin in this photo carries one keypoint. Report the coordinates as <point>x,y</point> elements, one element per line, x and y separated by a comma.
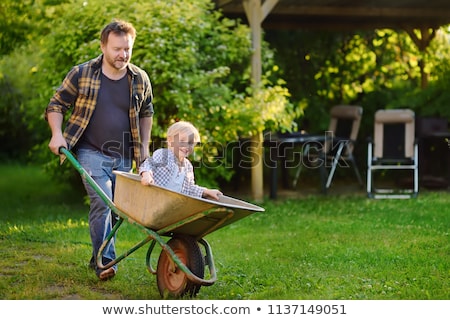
<point>434,152</point>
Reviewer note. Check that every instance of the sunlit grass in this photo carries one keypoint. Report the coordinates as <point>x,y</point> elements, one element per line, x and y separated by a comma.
<point>334,247</point>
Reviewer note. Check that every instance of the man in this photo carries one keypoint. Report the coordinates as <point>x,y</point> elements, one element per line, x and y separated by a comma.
<point>111,107</point>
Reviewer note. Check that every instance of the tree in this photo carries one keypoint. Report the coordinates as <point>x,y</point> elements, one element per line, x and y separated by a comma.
<point>376,69</point>
<point>198,62</point>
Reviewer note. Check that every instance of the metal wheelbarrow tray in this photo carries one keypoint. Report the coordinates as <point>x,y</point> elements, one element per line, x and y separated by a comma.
<point>161,213</point>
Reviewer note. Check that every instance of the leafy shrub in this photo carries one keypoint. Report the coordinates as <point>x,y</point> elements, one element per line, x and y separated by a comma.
<point>198,61</point>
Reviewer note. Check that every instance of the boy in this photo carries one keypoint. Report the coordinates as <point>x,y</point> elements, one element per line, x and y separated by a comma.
<point>170,168</point>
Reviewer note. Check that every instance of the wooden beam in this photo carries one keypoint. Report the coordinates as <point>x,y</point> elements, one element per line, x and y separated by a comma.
<point>254,16</point>
<point>360,11</point>
<point>256,12</point>
<point>267,7</point>
<point>350,14</point>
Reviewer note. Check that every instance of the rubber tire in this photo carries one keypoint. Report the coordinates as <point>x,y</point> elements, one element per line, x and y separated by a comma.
<point>174,282</point>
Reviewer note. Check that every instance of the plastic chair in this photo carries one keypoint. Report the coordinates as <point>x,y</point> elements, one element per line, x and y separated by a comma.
<point>337,150</point>
<point>394,147</point>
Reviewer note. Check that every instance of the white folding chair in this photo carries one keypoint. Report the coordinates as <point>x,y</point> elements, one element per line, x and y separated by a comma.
<point>337,150</point>
<point>394,147</point>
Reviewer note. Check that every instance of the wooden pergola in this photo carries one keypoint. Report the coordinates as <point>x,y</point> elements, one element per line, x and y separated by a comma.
<point>423,15</point>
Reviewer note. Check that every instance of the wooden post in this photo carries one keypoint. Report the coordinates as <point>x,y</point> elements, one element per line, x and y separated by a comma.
<point>256,13</point>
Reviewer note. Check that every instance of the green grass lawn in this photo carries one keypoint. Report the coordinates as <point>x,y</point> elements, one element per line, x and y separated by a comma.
<point>316,247</point>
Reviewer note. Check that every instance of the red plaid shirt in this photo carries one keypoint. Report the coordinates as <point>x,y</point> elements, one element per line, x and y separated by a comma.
<point>79,91</point>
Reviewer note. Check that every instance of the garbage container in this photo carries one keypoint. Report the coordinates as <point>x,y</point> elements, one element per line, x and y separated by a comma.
<point>434,152</point>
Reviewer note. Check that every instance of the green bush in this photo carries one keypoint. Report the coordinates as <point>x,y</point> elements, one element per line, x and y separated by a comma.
<point>198,61</point>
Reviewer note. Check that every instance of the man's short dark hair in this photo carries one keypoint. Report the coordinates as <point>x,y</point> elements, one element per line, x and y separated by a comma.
<point>117,27</point>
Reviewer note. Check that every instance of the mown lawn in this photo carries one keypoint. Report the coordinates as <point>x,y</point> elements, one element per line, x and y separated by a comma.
<point>316,247</point>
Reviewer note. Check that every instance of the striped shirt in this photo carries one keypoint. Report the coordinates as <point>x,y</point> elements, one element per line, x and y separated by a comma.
<point>164,166</point>
<point>79,92</point>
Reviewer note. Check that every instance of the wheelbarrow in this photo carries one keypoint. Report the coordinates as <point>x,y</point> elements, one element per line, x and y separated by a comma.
<point>185,262</point>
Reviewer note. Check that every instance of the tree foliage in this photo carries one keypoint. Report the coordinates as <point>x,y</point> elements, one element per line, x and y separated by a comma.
<point>198,62</point>
<point>376,69</point>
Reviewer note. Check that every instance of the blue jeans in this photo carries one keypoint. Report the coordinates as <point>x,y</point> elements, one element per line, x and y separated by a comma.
<point>100,167</point>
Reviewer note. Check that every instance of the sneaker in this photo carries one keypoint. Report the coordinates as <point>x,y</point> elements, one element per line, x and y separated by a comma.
<point>92,264</point>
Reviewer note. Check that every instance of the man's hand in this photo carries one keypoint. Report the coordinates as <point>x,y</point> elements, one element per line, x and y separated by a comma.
<point>56,142</point>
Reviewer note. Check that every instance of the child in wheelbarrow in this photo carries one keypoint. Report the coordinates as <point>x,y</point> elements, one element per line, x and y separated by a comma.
<point>170,168</point>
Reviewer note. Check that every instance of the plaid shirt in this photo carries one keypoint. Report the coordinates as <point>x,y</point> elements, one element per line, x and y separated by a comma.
<point>79,90</point>
<point>164,166</point>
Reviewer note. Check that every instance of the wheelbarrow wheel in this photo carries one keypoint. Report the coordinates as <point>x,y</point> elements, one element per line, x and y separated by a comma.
<point>171,280</point>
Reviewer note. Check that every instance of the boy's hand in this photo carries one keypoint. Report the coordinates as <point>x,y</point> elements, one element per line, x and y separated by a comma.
<point>147,178</point>
<point>212,194</point>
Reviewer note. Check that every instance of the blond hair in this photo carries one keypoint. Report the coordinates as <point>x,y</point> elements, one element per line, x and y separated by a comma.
<point>186,128</point>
